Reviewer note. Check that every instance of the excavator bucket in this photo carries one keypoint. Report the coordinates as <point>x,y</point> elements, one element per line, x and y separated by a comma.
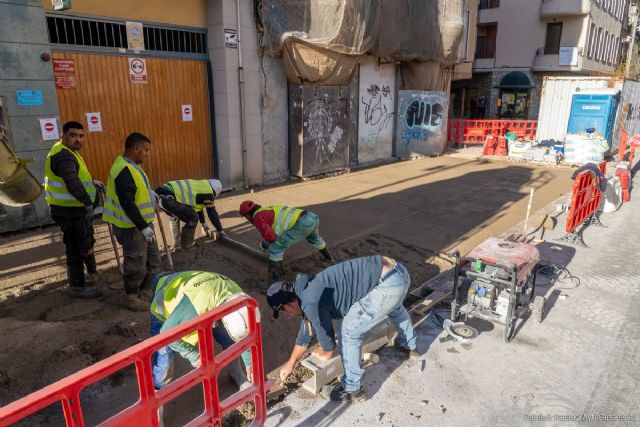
<point>18,186</point>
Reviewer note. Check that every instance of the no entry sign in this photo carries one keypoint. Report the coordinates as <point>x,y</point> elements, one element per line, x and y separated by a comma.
<point>94,122</point>
<point>187,113</point>
<point>49,129</point>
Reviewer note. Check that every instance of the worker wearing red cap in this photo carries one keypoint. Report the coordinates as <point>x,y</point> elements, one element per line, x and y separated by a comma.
<point>282,227</point>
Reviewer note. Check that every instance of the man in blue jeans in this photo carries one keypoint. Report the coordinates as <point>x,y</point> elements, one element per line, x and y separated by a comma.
<point>181,296</point>
<point>361,292</point>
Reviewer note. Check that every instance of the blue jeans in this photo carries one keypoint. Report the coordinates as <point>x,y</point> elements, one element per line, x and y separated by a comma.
<point>162,360</point>
<point>383,300</point>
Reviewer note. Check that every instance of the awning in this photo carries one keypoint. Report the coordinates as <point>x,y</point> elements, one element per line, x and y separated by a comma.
<point>515,80</point>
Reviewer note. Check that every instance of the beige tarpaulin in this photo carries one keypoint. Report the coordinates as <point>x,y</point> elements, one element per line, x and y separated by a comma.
<point>432,76</point>
<point>320,40</point>
<point>17,185</point>
<point>306,63</point>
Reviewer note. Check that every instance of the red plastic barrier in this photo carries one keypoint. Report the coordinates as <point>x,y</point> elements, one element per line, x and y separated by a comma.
<point>143,413</point>
<point>586,199</point>
<point>623,175</point>
<point>463,131</point>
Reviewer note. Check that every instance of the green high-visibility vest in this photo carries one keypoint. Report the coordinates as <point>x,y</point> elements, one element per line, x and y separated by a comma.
<point>205,290</point>
<point>186,191</point>
<point>55,190</point>
<point>284,217</point>
<point>113,211</point>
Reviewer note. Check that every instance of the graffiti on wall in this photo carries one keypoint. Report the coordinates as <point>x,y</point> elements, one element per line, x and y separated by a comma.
<point>323,131</point>
<point>422,123</point>
<point>375,122</point>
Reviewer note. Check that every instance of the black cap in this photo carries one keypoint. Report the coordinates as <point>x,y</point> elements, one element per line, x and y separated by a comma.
<point>278,295</point>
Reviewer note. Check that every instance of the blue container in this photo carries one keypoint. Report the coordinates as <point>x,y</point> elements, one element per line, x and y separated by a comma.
<point>594,112</point>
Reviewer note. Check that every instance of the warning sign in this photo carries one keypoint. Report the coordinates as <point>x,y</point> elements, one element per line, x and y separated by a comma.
<point>64,66</point>
<point>49,129</point>
<point>187,113</point>
<point>94,122</point>
<point>66,82</point>
<point>138,70</point>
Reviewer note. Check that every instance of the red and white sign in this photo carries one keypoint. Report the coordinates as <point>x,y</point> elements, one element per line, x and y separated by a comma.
<point>187,113</point>
<point>66,82</point>
<point>94,122</point>
<point>138,70</point>
<point>49,129</point>
<point>64,66</point>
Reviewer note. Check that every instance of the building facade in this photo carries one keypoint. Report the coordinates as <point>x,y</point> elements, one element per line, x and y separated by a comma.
<point>519,42</point>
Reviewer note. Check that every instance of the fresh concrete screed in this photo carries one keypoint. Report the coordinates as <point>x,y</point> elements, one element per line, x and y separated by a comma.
<point>405,210</point>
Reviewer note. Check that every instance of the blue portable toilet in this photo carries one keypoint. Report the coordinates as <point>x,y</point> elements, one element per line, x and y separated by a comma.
<point>595,109</point>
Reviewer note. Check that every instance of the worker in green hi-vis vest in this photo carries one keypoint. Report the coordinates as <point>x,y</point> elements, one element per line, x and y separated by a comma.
<point>130,207</point>
<point>70,193</point>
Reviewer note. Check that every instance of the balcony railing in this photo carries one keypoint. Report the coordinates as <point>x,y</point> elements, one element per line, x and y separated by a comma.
<point>554,8</point>
<point>488,4</point>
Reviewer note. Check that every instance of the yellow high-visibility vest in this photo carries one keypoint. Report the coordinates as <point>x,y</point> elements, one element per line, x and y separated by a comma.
<point>187,190</point>
<point>113,211</point>
<point>284,217</point>
<point>55,190</point>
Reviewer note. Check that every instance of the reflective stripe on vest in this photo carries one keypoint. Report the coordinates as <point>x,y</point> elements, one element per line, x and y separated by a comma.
<point>188,190</point>
<point>284,217</point>
<point>204,290</point>
<point>113,211</point>
<point>55,189</point>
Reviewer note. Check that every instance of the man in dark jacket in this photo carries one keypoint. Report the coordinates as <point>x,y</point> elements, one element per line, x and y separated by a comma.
<point>130,207</point>
<point>361,292</point>
<point>72,194</point>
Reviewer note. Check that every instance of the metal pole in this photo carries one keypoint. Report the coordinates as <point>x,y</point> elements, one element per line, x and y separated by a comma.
<point>113,240</point>
<point>243,136</point>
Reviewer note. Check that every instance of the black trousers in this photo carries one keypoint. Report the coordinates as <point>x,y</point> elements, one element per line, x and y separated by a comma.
<point>141,259</point>
<point>77,235</point>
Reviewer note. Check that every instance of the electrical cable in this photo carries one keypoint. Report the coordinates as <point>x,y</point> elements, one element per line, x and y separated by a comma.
<point>558,274</point>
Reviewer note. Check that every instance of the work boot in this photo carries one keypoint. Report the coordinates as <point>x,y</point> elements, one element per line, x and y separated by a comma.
<point>174,226</point>
<point>326,254</point>
<point>92,278</point>
<point>187,240</point>
<point>339,394</point>
<point>409,354</point>
<point>237,374</point>
<point>135,303</point>
<point>85,292</point>
<point>276,271</point>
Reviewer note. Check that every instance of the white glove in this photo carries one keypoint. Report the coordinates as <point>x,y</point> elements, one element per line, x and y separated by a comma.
<point>264,245</point>
<point>149,235</point>
<point>99,186</point>
<point>205,227</point>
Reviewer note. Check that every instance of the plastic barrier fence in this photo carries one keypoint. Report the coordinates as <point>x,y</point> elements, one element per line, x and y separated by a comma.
<point>144,412</point>
<point>463,131</point>
<point>586,199</point>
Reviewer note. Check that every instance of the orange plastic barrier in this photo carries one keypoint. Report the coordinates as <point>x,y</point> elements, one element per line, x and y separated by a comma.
<point>586,199</point>
<point>463,131</point>
<point>624,143</point>
<point>143,413</point>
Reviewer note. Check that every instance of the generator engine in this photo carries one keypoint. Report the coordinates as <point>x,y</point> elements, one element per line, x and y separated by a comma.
<point>488,296</point>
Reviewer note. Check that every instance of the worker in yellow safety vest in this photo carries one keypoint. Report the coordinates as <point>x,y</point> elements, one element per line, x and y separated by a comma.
<point>282,227</point>
<point>70,193</point>
<point>130,207</point>
<point>185,200</point>
<point>182,296</point>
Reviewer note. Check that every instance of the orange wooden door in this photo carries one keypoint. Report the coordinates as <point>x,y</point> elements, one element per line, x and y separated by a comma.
<point>179,149</point>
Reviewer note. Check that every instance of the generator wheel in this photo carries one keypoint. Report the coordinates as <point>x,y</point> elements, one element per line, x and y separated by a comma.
<point>538,308</point>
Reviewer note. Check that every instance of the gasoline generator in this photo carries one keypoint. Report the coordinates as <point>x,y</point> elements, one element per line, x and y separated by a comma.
<point>496,282</point>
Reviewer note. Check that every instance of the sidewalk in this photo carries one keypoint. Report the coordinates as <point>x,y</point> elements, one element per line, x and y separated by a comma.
<point>582,360</point>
